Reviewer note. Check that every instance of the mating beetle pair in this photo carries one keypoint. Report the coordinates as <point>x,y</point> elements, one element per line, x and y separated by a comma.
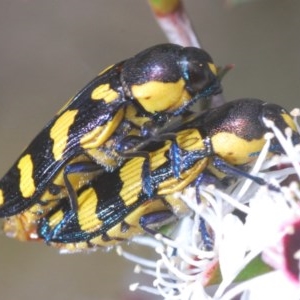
<point>72,189</point>
<point>139,195</point>
<point>153,86</point>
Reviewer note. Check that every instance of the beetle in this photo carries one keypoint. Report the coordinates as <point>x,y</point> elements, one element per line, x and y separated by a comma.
<point>139,197</point>
<point>157,84</point>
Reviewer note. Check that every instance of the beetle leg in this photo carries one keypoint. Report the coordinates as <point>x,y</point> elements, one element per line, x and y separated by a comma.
<point>176,159</point>
<point>207,178</point>
<point>77,168</point>
<point>132,143</point>
<point>205,235</point>
<point>156,219</point>
<point>226,168</point>
<point>197,184</point>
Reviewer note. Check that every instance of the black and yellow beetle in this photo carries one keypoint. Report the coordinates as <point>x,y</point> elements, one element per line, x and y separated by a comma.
<point>139,195</point>
<point>156,84</point>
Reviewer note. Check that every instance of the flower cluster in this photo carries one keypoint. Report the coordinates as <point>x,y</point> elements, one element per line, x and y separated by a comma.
<point>242,241</point>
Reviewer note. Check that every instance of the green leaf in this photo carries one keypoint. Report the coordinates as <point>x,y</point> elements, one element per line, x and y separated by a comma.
<point>255,268</point>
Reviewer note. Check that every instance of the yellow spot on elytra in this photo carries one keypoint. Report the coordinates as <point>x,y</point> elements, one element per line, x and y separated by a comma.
<point>131,176</point>
<point>59,132</point>
<point>158,158</point>
<point>27,186</point>
<point>116,234</point>
<point>289,121</point>
<point>213,68</point>
<point>87,206</point>
<point>104,92</point>
<point>190,140</point>
<point>55,219</point>
<point>156,96</point>
<point>172,185</point>
<point>131,172</point>
<point>100,134</point>
<point>133,219</point>
<point>1,197</point>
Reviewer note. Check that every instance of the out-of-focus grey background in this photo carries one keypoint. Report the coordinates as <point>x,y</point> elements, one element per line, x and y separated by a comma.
<point>51,49</point>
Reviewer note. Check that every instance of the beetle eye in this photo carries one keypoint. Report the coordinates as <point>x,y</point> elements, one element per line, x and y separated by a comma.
<point>199,72</point>
<point>198,77</point>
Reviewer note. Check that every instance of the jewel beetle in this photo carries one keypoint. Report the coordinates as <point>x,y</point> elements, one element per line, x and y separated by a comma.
<point>157,84</point>
<point>138,196</point>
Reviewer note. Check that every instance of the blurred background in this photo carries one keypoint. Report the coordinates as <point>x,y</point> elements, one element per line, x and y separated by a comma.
<point>51,49</point>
